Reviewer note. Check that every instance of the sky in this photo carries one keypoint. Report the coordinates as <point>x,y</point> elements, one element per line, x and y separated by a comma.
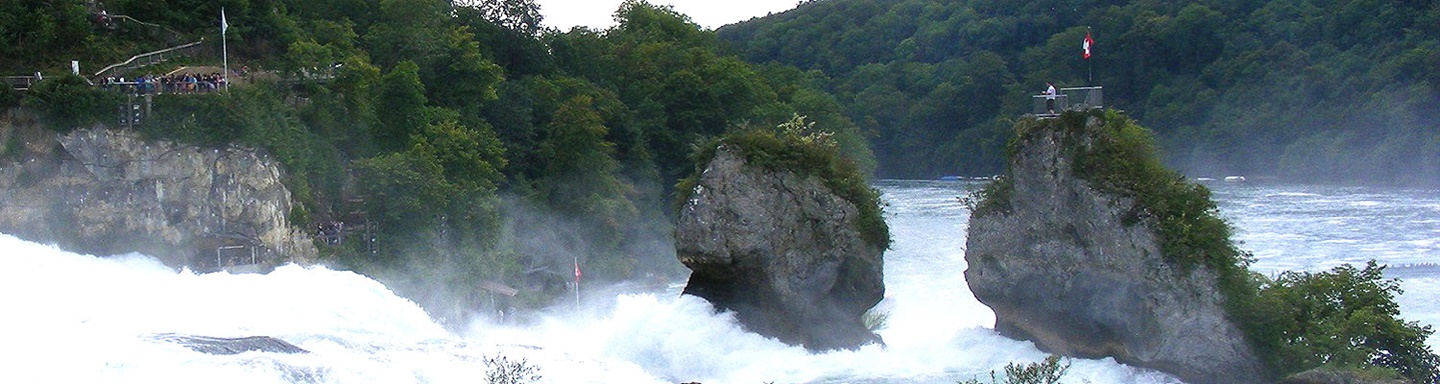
<point>711,14</point>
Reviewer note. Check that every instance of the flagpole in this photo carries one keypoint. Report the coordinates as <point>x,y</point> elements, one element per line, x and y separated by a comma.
<point>577,283</point>
<point>225,49</point>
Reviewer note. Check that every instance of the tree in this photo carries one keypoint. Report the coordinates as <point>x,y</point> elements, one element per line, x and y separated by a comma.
<point>401,107</point>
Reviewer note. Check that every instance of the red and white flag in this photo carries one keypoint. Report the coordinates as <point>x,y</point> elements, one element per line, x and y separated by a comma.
<point>577,270</point>
<point>1088,43</point>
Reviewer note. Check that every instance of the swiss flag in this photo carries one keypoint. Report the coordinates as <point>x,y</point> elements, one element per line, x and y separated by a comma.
<point>1088,43</point>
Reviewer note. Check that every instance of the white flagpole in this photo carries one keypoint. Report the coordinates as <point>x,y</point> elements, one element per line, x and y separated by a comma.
<point>577,283</point>
<point>224,47</point>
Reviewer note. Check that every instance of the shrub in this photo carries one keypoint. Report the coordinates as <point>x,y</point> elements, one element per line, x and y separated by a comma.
<point>1049,371</point>
<point>69,102</point>
<point>1345,318</point>
<point>502,370</point>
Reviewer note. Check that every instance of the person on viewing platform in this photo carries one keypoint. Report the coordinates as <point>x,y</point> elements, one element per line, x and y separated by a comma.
<point>1050,97</point>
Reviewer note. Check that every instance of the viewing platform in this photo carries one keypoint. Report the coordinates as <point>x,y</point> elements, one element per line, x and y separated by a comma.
<point>1068,99</point>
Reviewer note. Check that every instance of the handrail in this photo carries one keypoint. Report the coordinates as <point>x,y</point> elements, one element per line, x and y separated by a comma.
<point>144,55</point>
<point>152,25</point>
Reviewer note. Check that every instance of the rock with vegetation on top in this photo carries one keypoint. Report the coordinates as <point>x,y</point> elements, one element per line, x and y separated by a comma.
<point>1075,266</point>
<point>782,250</point>
<point>103,191</point>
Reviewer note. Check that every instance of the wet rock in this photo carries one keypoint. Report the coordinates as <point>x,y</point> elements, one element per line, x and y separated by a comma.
<point>781,251</point>
<point>231,346</point>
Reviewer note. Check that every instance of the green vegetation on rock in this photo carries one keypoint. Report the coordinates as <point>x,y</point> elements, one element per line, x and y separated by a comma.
<point>1345,318</point>
<point>798,146</point>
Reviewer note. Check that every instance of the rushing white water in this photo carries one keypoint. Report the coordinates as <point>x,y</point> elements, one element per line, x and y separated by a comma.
<point>76,318</point>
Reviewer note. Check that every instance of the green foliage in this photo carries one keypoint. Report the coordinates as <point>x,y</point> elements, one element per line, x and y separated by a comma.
<point>1345,318</point>
<point>68,102</point>
<point>1049,371</point>
<point>1229,87</point>
<point>401,107</point>
<point>797,146</point>
<point>501,370</point>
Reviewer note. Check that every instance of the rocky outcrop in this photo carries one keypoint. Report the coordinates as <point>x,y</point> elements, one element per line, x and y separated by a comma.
<point>782,252</point>
<point>230,346</point>
<point>104,192</point>
<point>1061,266</point>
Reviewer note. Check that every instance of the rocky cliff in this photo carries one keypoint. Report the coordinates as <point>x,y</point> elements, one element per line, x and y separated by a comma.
<point>1078,268</point>
<point>104,192</point>
<point>782,251</point>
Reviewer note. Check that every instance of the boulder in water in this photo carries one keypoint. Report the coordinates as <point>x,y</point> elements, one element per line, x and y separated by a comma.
<point>231,346</point>
<point>782,251</point>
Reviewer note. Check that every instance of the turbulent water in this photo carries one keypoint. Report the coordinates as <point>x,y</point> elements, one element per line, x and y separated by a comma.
<point>77,318</point>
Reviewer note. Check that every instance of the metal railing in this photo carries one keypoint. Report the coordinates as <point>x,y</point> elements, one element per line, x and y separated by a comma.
<point>236,255</point>
<point>20,83</point>
<point>152,58</point>
<point>1077,98</point>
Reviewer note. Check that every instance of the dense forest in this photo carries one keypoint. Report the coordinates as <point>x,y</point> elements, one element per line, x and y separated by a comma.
<point>484,146</point>
<point>1344,91</point>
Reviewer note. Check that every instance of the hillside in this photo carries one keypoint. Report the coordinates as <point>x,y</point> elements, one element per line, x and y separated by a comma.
<point>482,145</point>
<point>1308,90</point>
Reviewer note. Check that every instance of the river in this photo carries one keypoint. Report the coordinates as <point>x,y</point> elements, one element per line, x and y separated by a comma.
<point>78,318</point>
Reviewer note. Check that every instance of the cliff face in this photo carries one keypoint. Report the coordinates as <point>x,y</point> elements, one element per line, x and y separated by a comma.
<point>780,251</point>
<point>1060,266</point>
<point>106,192</point>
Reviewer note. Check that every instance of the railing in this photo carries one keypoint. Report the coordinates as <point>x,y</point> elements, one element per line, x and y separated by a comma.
<point>151,58</point>
<point>1050,105</point>
<point>236,255</point>
<point>1078,98</point>
<point>21,83</point>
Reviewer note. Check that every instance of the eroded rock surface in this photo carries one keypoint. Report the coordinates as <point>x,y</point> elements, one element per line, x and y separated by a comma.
<point>780,251</point>
<point>1059,266</point>
<point>105,192</point>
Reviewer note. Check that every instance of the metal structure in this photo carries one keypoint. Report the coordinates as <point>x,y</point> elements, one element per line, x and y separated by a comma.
<point>152,58</point>
<point>1068,99</point>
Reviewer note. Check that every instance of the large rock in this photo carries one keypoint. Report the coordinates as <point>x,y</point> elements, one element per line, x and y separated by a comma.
<point>780,251</point>
<point>1060,267</point>
<point>103,191</point>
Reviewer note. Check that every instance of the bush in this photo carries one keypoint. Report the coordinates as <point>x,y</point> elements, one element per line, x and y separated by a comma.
<point>68,102</point>
<point>1041,372</point>
<point>501,370</point>
<point>1345,318</point>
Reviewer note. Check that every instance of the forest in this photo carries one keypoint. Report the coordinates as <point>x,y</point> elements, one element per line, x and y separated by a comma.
<point>482,144</point>
<point>1311,91</point>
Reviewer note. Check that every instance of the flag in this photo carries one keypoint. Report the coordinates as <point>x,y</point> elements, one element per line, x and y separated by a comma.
<point>577,270</point>
<point>223,25</point>
<point>1088,43</point>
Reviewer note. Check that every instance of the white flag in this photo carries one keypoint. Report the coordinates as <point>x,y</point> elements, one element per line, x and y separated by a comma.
<point>223,25</point>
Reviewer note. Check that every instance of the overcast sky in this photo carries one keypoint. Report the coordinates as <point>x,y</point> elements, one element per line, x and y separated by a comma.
<point>711,14</point>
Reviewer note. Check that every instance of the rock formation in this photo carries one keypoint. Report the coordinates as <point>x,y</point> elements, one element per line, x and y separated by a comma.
<point>230,346</point>
<point>107,192</point>
<point>782,252</point>
<point>1061,266</point>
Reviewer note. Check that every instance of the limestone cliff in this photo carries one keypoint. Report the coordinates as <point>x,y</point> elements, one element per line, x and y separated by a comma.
<point>1078,268</point>
<point>782,251</point>
<point>104,192</point>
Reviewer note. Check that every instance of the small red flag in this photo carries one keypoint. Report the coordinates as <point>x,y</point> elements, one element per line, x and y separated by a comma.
<point>1088,43</point>
<point>577,270</point>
